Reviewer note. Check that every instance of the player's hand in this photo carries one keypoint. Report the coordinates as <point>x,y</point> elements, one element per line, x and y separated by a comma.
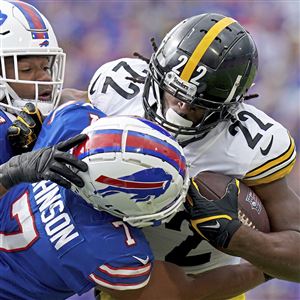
<point>214,220</point>
<point>50,163</point>
<point>24,131</point>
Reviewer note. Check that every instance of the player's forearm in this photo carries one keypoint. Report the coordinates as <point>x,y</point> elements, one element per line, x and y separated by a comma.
<point>228,281</point>
<point>168,281</point>
<point>277,253</point>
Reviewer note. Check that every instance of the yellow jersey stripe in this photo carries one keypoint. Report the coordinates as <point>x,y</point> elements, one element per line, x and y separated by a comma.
<point>274,162</point>
<point>203,46</point>
<point>272,177</point>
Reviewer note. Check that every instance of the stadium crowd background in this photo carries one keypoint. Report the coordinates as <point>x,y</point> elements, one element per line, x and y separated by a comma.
<point>94,32</point>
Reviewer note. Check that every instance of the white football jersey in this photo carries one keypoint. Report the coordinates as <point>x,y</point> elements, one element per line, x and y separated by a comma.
<point>251,146</point>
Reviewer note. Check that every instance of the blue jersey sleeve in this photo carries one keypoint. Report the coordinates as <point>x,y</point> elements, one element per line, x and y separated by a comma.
<point>117,256</point>
<point>67,121</point>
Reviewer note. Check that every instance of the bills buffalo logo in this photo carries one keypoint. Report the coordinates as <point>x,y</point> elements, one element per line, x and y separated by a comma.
<point>142,185</point>
<point>44,43</point>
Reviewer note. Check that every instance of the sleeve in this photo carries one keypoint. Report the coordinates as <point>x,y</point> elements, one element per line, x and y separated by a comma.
<point>67,121</point>
<point>127,265</point>
<point>111,87</point>
<point>280,160</point>
<point>113,255</point>
<point>129,277</point>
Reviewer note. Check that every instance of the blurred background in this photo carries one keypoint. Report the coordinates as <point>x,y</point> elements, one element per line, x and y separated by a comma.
<point>94,32</point>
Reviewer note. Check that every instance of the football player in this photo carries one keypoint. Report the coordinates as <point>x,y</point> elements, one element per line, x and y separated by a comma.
<point>54,244</point>
<point>32,70</point>
<point>31,75</point>
<point>194,85</point>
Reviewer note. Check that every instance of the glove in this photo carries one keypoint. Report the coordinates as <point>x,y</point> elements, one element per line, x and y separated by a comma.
<point>48,163</point>
<point>24,131</point>
<point>214,220</point>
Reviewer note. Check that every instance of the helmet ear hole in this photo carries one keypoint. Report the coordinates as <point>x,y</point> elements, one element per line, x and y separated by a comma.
<point>136,170</point>
<point>208,60</point>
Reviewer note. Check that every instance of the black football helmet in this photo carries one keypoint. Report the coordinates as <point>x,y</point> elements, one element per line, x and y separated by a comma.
<point>209,61</point>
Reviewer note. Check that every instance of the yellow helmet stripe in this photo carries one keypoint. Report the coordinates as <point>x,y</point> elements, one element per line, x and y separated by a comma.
<point>203,46</point>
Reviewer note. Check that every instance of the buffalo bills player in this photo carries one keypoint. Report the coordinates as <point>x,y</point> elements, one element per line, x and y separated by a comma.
<point>195,85</point>
<point>54,244</point>
<point>31,69</point>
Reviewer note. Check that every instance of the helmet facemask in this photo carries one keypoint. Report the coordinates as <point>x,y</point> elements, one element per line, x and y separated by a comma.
<point>10,98</point>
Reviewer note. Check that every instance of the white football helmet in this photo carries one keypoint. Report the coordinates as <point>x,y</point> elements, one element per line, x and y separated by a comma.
<point>24,31</point>
<point>136,170</point>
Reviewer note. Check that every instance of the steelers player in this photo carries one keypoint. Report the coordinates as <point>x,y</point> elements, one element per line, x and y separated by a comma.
<point>195,85</point>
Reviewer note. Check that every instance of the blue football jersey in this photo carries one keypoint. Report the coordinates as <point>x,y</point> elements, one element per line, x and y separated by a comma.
<point>53,244</point>
<point>5,149</point>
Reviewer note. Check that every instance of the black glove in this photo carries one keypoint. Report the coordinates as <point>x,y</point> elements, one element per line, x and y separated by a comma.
<point>24,131</point>
<point>45,164</point>
<point>214,220</point>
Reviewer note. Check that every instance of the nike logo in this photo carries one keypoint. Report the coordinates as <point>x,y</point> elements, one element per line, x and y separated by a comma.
<point>143,261</point>
<point>215,226</point>
<point>265,152</point>
<point>92,90</point>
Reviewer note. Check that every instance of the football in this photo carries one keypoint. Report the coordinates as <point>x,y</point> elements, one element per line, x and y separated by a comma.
<point>251,210</point>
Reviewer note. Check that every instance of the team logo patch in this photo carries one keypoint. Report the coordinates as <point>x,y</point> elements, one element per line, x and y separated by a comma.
<point>3,17</point>
<point>142,185</point>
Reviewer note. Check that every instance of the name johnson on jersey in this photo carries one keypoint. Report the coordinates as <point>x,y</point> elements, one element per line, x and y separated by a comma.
<point>57,222</point>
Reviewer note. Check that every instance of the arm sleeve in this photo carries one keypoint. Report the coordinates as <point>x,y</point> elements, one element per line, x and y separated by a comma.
<point>279,162</point>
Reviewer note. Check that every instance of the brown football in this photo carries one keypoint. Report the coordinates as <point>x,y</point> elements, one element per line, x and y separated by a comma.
<point>251,211</point>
